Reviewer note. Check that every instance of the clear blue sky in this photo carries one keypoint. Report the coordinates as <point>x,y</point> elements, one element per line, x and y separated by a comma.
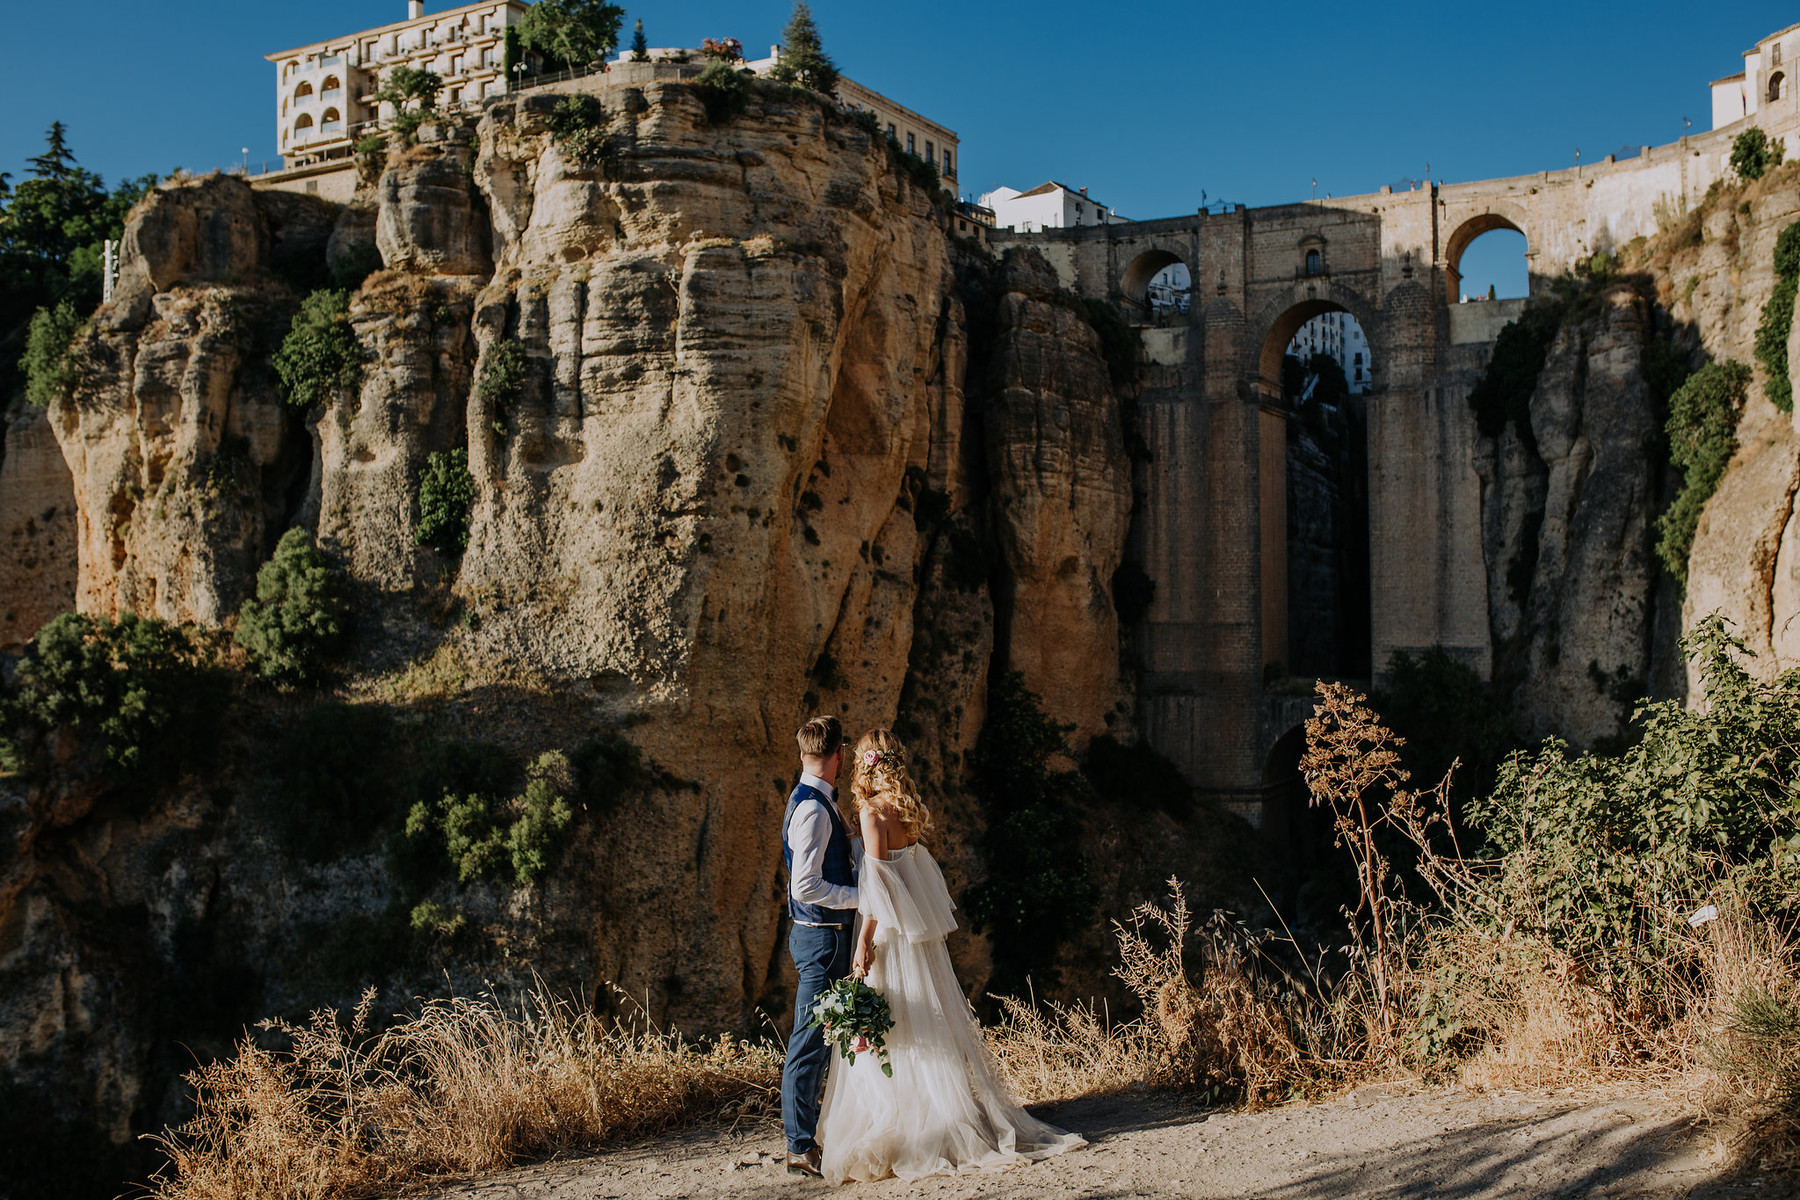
<point>1146,104</point>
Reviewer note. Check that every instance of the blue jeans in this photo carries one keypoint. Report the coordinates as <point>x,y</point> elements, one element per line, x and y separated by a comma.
<point>821,957</point>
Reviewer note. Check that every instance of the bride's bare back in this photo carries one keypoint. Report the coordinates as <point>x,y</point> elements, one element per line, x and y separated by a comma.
<point>883,833</point>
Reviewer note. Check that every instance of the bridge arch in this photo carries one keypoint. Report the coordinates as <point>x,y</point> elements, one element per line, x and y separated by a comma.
<point>1134,284</point>
<point>1463,236</point>
<point>1280,320</point>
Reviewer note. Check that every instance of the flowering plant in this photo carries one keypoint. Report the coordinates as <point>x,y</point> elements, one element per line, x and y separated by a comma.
<point>856,1019</point>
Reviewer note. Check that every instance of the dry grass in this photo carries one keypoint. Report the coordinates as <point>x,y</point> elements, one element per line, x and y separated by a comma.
<point>465,1085</point>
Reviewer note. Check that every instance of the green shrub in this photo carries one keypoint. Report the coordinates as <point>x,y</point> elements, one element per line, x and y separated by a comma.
<point>1446,713</point>
<point>407,123</point>
<point>405,85</point>
<point>723,90</point>
<point>1754,153</point>
<point>357,262</point>
<point>139,689</point>
<point>502,382</point>
<point>578,126</point>
<point>1778,319</point>
<point>335,786</point>
<point>320,354</point>
<point>1607,853</point>
<point>571,33</point>
<point>370,143</point>
<point>298,619</point>
<point>446,494</point>
<point>1503,393</point>
<point>49,364</point>
<point>1037,894</point>
<point>1702,429</point>
<point>485,837</point>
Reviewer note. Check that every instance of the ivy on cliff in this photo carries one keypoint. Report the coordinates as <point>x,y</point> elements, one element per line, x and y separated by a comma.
<point>1702,429</point>
<point>1778,319</point>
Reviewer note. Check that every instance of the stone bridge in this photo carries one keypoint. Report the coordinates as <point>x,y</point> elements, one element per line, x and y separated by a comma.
<point>1212,532</point>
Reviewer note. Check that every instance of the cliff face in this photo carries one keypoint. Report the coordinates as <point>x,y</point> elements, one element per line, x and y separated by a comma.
<point>1567,509</point>
<point>740,482</point>
<point>1746,558</point>
<point>37,529</point>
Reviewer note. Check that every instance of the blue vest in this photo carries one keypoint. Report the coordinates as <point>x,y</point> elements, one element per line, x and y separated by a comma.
<point>838,867</point>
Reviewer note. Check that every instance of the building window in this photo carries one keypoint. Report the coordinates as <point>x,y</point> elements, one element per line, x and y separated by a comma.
<point>1775,55</point>
<point>1777,86</point>
<point>930,151</point>
<point>909,145</point>
<point>1358,359</point>
<point>1314,263</point>
<point>891,132</point>
<point>949,165</point>
<point>304,91</point>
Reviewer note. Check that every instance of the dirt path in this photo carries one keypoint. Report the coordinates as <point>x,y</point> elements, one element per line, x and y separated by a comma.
<point>1384,1142</point>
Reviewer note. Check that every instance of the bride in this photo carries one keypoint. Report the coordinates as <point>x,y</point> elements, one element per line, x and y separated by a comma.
<point>945,1111</point>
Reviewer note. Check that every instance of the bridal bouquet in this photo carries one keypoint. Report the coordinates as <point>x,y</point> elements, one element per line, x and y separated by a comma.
<point>856,1019</point>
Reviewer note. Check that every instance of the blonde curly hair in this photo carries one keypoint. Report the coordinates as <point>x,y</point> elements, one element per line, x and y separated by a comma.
<point>881,782</point>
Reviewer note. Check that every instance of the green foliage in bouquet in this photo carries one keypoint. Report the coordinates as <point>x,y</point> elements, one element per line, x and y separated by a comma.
<point>850,1011</point>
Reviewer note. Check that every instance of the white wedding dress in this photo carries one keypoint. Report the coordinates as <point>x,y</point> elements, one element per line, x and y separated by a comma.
<point>945,1111</point>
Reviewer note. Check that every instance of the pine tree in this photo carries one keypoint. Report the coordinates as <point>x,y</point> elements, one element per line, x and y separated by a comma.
<point>640,49</point>
<point>803,57</point>
<point>57,159</point>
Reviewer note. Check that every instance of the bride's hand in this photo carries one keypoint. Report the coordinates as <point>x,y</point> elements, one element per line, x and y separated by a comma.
<point>865,959</point>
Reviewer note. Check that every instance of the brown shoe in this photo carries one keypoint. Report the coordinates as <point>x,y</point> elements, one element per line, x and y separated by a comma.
<point>805,1164</point>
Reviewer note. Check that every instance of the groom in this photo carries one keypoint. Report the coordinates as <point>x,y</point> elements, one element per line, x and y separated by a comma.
<point>821,864</point>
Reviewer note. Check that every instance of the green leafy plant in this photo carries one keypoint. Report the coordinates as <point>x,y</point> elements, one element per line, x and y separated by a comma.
<point>139,690</point>
<point>1446,712</point>
<point>640,49</point>
<point>502,382</point>
<point>411,88</point>
<point>49,361</point>
<point>723,90</point>
<point>371,143</point>
<point>355,263</point>
<point>486,837</point>
<point>1503,393</point>
<point>1778,319</point>
<point>298,620</point>
<point>803,59</point>
<point>1754,153</point>
<point>571,33</point>
<point>1037,894</point>
<point>856,1020</point>
<point>578,126</point>
<point>1702,429</point>
<point>446,494</point>
<point>320,354</point>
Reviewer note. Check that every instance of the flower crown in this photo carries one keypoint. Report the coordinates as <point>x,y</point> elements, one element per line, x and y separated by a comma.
<point>871,757</point>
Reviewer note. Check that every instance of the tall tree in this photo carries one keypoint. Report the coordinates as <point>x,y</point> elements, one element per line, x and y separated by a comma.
<point>571,33</point>
<point>52,228</point>
<point>803,57</point>
<point>640,49</point>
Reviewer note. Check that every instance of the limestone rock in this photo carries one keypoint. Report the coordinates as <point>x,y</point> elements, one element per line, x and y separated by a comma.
<point>37,528</point>
<point>427,222</point>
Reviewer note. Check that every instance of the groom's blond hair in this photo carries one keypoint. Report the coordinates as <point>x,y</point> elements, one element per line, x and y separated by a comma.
<point>820,737</point>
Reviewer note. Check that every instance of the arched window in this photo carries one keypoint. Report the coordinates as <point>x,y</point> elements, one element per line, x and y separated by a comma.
<point>303,127</point>
<point>1777,85</point>
<point>331,122</point>
<point>1315,263</point>
<point>304,91</point>
<point>331,84</point>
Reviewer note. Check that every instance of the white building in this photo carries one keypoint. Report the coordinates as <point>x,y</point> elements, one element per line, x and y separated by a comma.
<point>1339,335</point>
<point>1763,86</point>
<point>1049,205</point>
<point>324,93</point>
<point>1170,290</point>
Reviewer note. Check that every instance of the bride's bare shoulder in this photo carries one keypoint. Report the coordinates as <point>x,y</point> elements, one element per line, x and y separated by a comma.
<point>883,831</point>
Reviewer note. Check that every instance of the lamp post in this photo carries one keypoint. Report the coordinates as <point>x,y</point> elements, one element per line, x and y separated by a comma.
<point>246,162</point>
<point>518,76</point>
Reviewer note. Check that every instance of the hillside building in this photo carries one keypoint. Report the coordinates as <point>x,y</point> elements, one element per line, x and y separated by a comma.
<point>1049,205</point>
<point>1764,87</point>
<point>324,92</point>
<point>1336,334</point>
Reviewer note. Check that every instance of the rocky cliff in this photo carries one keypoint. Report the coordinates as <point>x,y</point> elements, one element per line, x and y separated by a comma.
<point>759,462</point>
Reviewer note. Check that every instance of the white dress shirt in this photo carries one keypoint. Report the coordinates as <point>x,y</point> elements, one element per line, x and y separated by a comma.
<point>807,835</point>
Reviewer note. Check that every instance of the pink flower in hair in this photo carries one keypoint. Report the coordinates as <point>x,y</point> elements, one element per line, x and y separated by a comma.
<point>871,757</point>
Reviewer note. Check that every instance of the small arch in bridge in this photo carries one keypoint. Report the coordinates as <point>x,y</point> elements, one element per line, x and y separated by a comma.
<point>1464,237</point>
<point>1777,86</point>
<point>1281,334</point>
<point>1156,280</point>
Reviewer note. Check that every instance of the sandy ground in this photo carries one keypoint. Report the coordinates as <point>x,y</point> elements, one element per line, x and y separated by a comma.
<point>1386,1142</point>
